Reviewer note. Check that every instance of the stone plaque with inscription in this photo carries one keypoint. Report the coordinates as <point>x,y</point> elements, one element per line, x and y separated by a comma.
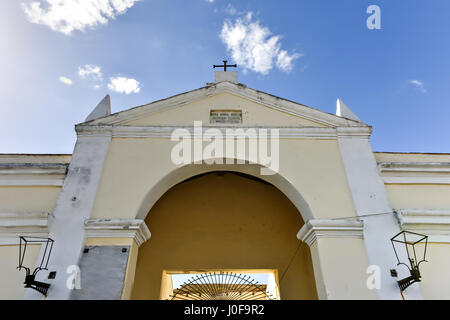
<point>226,116</point>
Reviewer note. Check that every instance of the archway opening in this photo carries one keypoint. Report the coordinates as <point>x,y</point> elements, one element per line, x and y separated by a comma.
<point>220,222</point>
<point>221,285</point>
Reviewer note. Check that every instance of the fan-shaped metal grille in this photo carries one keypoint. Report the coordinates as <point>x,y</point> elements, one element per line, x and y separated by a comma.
<point>221,286</point>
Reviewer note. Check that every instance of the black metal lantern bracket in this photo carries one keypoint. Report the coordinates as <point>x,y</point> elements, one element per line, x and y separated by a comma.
<point>30,278</point>
<point>410,240</point>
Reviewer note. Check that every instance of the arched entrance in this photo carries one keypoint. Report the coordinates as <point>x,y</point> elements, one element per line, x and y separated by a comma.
<point>224,221</point>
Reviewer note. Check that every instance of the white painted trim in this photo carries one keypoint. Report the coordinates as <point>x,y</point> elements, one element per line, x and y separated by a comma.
<point>433,223</point>
<point>103,131</point>
<point>118,228</point>
<point>415,172</point>
<point>442,167</point>
<point>166,131</point>
<point>370,200</point>
<point>416,180</point>
<point>354,132</point>
<point>73,207</point>
<point>32,174</point>
<point>32,183</point>
<point>33,168</point>
<point>240,90</point>
<point>317,228</point>
<point>14,225</point>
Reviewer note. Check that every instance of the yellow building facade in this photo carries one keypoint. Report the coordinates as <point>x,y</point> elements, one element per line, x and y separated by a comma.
<point>317,210</point>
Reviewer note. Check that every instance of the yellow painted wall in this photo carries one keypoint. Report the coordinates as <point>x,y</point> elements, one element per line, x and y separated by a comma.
<point>416,196</point>
<point>313,167</point>
<point>225,221</point>
<point>419,196</point>
<point>24,199</point>
<point>253,114</point>
<point>435,280</point>
<point>435,273</point>
<point>28,199</point>
<point>11,279</point>
<point>340,264</point>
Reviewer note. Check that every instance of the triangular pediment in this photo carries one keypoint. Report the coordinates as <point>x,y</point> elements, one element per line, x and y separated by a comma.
<point>258,109</point>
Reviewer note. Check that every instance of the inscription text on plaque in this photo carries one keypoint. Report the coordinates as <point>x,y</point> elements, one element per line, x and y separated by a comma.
<point>226,116</point>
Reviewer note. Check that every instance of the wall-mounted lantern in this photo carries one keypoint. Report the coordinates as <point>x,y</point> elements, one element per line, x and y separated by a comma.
<point>30,281</point>
<point>415,245</point>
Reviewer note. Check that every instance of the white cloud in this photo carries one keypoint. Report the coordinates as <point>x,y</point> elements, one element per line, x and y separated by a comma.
<point>90,70</point>
<point>254,47</point>
<point>124,85</point>
<point>285,60</point>
<point>67,16</point>
<point>419,85</point>
<point>65,80</point>
<point>230,9</point>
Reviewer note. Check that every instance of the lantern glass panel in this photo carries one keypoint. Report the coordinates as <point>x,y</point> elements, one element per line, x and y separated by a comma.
<point>47,243</point>
<point>412,244</point>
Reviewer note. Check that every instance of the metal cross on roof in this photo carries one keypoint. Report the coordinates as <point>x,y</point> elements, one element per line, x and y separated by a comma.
<point>225,65</point>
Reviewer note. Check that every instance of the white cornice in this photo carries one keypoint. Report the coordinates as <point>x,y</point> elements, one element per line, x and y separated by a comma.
<point>236,89</point>
<point>118,228</point>
<point>352,132</point>
<point>32,174</point>
<point>415,172</point>
<point>433,223</point>
<point>33,168</point>
<point>417,180</point>
<point>317,228</point>
<point>415,167</point>
<point>166,131</point>
<point>93,131</point>
<point>14,225</point>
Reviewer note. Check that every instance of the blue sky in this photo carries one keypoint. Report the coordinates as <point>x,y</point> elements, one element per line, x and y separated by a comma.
<point>179,279</point>
<point>396,79</point>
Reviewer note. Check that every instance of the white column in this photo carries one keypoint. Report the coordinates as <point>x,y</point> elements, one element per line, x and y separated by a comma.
<point>73,207</point>
<point>373,207</point>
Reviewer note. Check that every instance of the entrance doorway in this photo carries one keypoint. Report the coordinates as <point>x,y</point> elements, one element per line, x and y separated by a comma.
<point>221,285</point>
<point>224,222</point>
